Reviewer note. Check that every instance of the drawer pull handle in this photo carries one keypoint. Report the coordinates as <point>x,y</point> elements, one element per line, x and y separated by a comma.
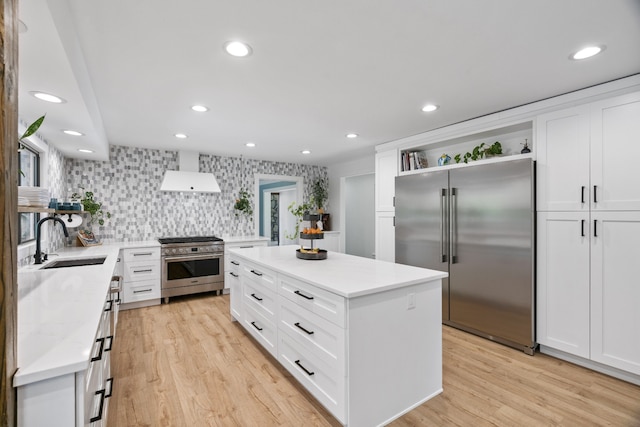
<point>233,274</point>
<point>110,338</point>
<point>582,228</point>
<point>256,326</point>
<point>142,290</point>
<point>297,324</point>
<point>257,273</point>
<point>110,383</point>
<point>256,297</point>
<point>143,271</point>
<point>595,228</point>
<point>143,254</point>
<point>235,263</point>
<point>595,194</point>
<point>99,356</point>
<point>303,295</point>
<point>246,247</point>
<point>100,408</point>
<point>297,362</point>
<point>110,307</point>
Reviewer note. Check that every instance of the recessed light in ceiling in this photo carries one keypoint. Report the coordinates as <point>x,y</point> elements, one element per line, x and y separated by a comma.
<point>352,135</point>
<point>306,151</point>
<point>430,107</point>
<point>180,135</point>
<point>47,97</point>
<point>84,150</point>
<point>250,144</point>
<point>72,132</point>
<point>587,52</point>
<point>237,49</point>
<point>199,108</point>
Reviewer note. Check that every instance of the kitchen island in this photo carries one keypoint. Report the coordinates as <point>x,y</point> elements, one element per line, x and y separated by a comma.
<point>363,336</point>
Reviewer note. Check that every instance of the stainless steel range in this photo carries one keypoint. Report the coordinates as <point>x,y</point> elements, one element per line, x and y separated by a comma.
<point>191,265</point>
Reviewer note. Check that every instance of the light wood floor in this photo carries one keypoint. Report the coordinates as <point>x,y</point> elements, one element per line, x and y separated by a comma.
<point>187,364</point>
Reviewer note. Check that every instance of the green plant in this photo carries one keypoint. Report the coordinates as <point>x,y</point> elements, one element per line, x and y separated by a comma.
<point>33,128</point>
<point>92,206</point>
<point>319,192</point>
<point>494,149</point>
<point>243,203</point>
<point>298,211</point>
<point>457,158</point>
<point>479,152</point>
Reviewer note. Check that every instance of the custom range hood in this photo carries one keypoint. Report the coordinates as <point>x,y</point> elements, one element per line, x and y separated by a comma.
<point>187,178</point>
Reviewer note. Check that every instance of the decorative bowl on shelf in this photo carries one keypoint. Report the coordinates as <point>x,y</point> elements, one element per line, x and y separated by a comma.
<point>311,254</point>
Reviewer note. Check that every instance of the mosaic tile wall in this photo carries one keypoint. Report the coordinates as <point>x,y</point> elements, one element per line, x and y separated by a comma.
<point>128,187</point>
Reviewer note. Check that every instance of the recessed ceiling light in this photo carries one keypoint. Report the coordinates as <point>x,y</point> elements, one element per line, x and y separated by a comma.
<point>352,135</point>
<point>587,52</point>
<point>84,150</point>
<point>306,151</point>
<point>72,132</point>
<point>199,108</point>
<point>429,108</point>
<point>250,144</point>
<point>237,49</point>
<point>180,135</point>
<point>47,97</point>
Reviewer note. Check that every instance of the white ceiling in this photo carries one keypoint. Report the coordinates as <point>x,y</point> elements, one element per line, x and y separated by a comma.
<point>130,70</point>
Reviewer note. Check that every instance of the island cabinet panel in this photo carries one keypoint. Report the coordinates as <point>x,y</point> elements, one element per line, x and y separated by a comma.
<point>232,281</point>
<point>362,336</point>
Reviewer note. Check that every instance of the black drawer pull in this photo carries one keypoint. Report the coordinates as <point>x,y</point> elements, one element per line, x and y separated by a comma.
<point>582,228</point>
<point>235,263</point>
<point>143,271</point>
<point>582,194</point>
<point>256,326</point>
<point>303,295</point>
<point>595,194</point>
<point>99,356</point>
<point>99,416</point>
<point>297,324</point>
<point>110,306</point>
<point>595,228</point>
<point>256,297</point>
<point>143,290</point>
<point>110,338</point>
<point>257,273</point>
<point>233,274</point>
<point>303,368</point>
<point>110,383</point>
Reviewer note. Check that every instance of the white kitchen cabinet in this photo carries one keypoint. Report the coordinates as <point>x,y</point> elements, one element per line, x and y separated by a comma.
<point>386,172</point>
<point>238,242</point>
<point>563,291</point>
<point>330,242</point>
<point>615,289</point>
<point>142,277</point>
<point>385,236</point>
<point>232,280</point>
<point>259,304</point>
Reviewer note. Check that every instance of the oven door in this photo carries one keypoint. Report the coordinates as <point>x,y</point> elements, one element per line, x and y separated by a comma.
<point>189,270</point>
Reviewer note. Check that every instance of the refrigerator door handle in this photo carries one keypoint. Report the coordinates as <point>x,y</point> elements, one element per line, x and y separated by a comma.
<point>443,240</point>
<point>453,223</point>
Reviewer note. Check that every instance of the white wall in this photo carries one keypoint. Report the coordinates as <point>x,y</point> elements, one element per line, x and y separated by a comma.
<point>359,216</point>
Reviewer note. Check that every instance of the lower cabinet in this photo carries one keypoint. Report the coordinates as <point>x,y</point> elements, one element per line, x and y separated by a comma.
<point>141,272</point>
<point>385,236</point>
<point>588,289</point>
<point>230,243</point>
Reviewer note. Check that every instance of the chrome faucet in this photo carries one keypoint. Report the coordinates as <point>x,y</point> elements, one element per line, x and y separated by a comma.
<point>38,256</point>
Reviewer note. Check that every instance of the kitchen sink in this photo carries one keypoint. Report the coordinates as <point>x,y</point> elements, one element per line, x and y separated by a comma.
<point>61,263</point>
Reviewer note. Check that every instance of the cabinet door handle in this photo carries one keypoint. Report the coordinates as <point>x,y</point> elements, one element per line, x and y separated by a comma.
<point>297,362</point>
<point>582,194</point>
<point>303,295</point>
<point>257,273</point>
<point>143,254</point>
<point>443,240</point>
<point>110,307</point>
<point>453,209</point>
<point>595,194</point>
<point>233,274</point>
<point>256,326</point>
<point>100,408</point>
<point>142,290</point>
<point>235,263</point>
<point>297,324</point>
<point>143,271</point>
<point>99,356</point>
<point>256,297</point>
<point>582,228</point>
<point>110,338</point>
<point>595,228</point>
<point>110,384</point>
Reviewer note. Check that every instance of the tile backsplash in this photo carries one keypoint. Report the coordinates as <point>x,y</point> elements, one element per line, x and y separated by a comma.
<point>128,187</point>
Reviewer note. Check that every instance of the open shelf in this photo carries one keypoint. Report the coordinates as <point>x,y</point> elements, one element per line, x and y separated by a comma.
<point>34,209</point>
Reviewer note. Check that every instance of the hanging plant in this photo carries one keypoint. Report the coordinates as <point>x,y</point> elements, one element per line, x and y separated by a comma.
<point>243,203</point>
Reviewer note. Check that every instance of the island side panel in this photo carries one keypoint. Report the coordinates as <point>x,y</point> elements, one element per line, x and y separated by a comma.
<point>395,352</point>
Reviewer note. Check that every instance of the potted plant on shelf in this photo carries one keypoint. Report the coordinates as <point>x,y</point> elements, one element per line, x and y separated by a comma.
<point>243,204</point>
<point>320,193</point>
<point>92,206</point>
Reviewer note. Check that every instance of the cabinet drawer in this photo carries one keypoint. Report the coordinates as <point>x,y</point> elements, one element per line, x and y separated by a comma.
<point>324,304</point>
<point>141,254</point>
<point>261,328</point>
<point>324,383</point>
<point>142,290</point>
<point>142,270</point>
<point>259,275</point>
<point>260,298</point>
<point>318,336</point>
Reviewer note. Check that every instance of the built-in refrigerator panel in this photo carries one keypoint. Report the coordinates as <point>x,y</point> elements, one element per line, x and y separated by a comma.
<point>492,247</point>
<point>421,224</point>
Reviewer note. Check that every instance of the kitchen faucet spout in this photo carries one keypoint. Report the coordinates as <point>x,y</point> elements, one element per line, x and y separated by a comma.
<point>38,256</point>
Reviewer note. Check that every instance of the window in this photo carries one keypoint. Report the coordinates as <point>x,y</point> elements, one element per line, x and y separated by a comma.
<point>29,166</point>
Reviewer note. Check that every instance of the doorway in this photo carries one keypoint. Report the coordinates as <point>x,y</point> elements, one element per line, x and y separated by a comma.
<point>274,195</point>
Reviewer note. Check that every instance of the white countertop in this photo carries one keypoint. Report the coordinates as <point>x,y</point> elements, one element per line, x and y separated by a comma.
<point>59,311</point>
<point>346,275</point>
<point>240,239</point>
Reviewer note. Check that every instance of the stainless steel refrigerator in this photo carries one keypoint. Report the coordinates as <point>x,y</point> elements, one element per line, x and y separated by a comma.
<point>477,223</point>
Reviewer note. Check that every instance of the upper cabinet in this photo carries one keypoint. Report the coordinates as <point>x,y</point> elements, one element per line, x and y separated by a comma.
<point>386,172</point>
<point>585,155</point>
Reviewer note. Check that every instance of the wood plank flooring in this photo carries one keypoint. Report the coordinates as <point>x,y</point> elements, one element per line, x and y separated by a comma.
<point>187,364</point>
